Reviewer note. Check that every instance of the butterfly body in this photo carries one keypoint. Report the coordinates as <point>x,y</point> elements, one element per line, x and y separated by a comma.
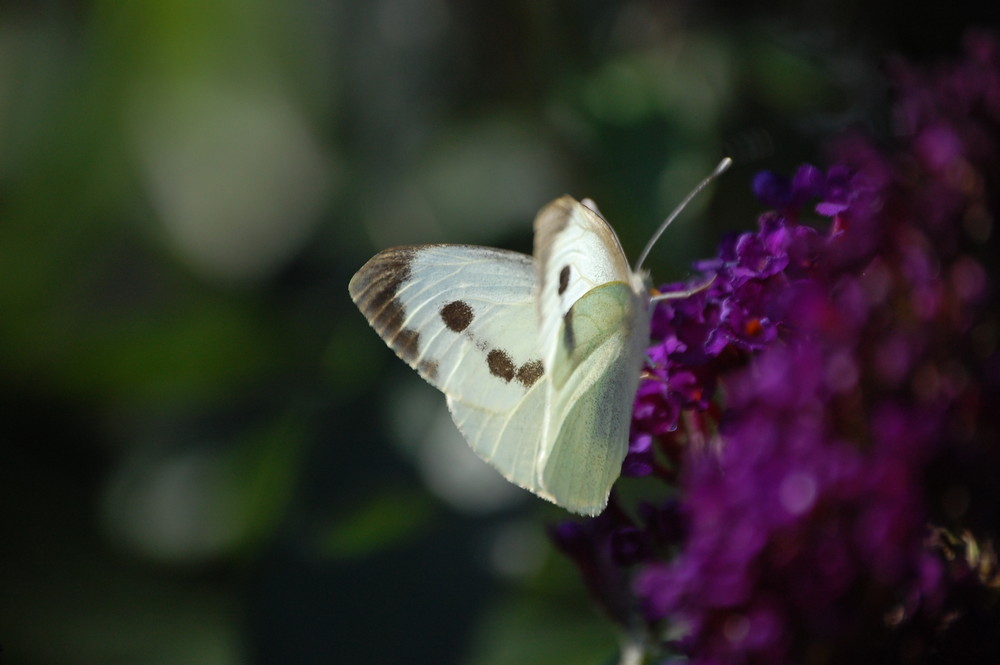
<point>539,357</point>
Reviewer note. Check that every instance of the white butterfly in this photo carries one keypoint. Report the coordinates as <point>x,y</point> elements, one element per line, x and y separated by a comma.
<point>539,357</point>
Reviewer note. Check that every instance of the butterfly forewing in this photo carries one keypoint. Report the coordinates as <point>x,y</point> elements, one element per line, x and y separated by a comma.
<point>575,251</point>
<point>464,317</point>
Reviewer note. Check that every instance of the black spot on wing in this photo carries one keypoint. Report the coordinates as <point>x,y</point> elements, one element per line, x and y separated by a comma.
<point>563,279</point>
<point>501,365</point>
<point>457,315</point>
<point>530,372</point>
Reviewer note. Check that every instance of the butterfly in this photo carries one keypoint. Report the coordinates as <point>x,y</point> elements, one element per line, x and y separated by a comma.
<point>539,357</point>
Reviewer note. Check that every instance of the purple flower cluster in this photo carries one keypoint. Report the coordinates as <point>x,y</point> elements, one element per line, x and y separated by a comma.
<point>828,398</point>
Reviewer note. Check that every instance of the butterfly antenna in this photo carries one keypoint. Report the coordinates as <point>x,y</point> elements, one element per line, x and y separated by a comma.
<point>719,170</point>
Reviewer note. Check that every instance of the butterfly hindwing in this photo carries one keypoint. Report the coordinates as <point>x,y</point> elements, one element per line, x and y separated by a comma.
<point>591,390</point>
<point>510,440</point>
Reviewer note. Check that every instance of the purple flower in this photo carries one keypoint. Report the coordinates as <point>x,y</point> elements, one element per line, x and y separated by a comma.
<point>825,412</point>
<point>787,194</point>
<point>600,548</point>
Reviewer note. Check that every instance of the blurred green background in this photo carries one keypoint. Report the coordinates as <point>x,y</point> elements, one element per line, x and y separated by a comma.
<point>208,457</point>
